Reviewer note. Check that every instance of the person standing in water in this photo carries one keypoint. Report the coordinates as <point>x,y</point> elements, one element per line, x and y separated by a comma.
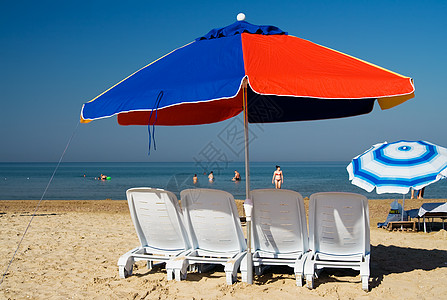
<point>211,177</point>
<point>195,179</point>
<point>237,176</point>
<point>278,178</point>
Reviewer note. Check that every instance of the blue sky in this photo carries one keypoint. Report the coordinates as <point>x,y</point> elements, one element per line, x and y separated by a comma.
<point>56,55</point>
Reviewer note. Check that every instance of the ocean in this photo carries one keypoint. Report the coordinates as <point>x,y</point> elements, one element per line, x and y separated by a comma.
<point>28,181</point>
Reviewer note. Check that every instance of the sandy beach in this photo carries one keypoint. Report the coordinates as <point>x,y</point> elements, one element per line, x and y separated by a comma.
<point>72,247</point>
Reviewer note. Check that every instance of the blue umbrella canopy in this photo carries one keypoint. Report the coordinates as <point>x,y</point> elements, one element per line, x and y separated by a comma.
<point>396,167</point>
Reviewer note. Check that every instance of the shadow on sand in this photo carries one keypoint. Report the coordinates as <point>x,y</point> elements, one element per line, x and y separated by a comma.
<point>385,260</point>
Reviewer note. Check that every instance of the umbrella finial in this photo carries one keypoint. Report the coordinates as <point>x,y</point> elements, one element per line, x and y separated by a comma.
<point>240,17</point>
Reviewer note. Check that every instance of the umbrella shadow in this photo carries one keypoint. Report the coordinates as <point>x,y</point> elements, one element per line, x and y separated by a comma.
<point>386,260</point>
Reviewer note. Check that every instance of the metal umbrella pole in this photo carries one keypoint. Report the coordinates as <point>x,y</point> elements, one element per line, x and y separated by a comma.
<point>403,211</point>
<point>403,207</point>
<point>248,204</point>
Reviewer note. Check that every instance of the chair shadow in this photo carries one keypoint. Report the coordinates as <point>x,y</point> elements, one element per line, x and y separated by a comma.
<point>387,260</point>
<point>273,274</point>
<point>214,272</point>
<point>144,271</point>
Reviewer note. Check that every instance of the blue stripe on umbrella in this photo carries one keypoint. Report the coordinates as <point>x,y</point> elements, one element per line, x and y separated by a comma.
<point>429,155</point>
<point>378,181</point>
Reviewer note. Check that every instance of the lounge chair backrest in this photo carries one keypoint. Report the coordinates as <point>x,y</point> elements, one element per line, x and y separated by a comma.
<point>339,223</point>
<point>157,218</point>
<point>279,221</point>
<point>212,220</point>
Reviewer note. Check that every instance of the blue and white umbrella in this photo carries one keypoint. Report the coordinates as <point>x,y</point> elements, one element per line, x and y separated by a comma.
<point>396,167</point>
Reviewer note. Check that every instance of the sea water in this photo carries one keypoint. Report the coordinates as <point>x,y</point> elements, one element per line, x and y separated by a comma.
<point>78,181</point>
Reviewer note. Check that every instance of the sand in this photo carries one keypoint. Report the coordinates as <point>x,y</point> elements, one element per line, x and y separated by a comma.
<point>72,247</point>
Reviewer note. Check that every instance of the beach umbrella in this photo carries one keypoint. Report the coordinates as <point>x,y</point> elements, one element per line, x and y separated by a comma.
<point>261,71</point>
<point>399,166</point>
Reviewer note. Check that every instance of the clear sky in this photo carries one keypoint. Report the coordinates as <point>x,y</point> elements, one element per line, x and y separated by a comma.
<point>56,55</point>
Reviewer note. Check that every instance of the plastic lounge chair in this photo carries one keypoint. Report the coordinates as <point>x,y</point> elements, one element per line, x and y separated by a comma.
<point>338,235</point>
<point>159,225</point>
<point>215,232</point>
<point>279,231</point>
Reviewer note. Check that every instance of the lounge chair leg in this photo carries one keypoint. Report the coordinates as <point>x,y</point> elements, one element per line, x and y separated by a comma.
<point>125,266</point>
<point>169,273</point>
<point>365,283</point>
<point>178,275</point>
<point>125,272</point>
<point>310,281</point>
<point>299,279</point>
<point>230,277</point>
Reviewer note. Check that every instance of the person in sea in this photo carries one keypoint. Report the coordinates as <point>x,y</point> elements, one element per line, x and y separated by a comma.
<point>237,176</point>
<point>277,178</point>
<point>195,179</point>
<point>211,177</point>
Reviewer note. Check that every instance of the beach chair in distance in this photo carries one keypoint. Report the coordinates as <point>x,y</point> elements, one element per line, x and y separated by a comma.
<point>158,222</point>
<point>215,232</point>
<point>279,234</point>
<point>339,235</point>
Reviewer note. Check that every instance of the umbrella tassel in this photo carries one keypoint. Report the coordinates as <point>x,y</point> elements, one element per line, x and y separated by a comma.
<point>152,136</point>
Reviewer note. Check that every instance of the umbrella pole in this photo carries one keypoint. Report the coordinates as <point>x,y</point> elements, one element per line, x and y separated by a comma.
<point>403,206</point>
<point>248,205</point>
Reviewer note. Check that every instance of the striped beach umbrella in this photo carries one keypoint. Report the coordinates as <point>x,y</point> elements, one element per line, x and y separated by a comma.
<point>396,167</point>
<point>260,71</point>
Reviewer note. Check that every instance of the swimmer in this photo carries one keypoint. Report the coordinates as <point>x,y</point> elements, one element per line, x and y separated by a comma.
<point>277,178</point>
<point>237,176</point>
<point>195,179</point>
<point>211,177</point>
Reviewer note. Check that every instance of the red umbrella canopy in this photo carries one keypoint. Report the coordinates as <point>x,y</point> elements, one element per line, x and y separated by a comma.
<point>289,79</point>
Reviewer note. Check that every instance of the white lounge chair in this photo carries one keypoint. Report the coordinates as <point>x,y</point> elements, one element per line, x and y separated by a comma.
<point>159,225</point>
<point>338,235</point>
<point>215,232</point>
<point>279,235</point>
